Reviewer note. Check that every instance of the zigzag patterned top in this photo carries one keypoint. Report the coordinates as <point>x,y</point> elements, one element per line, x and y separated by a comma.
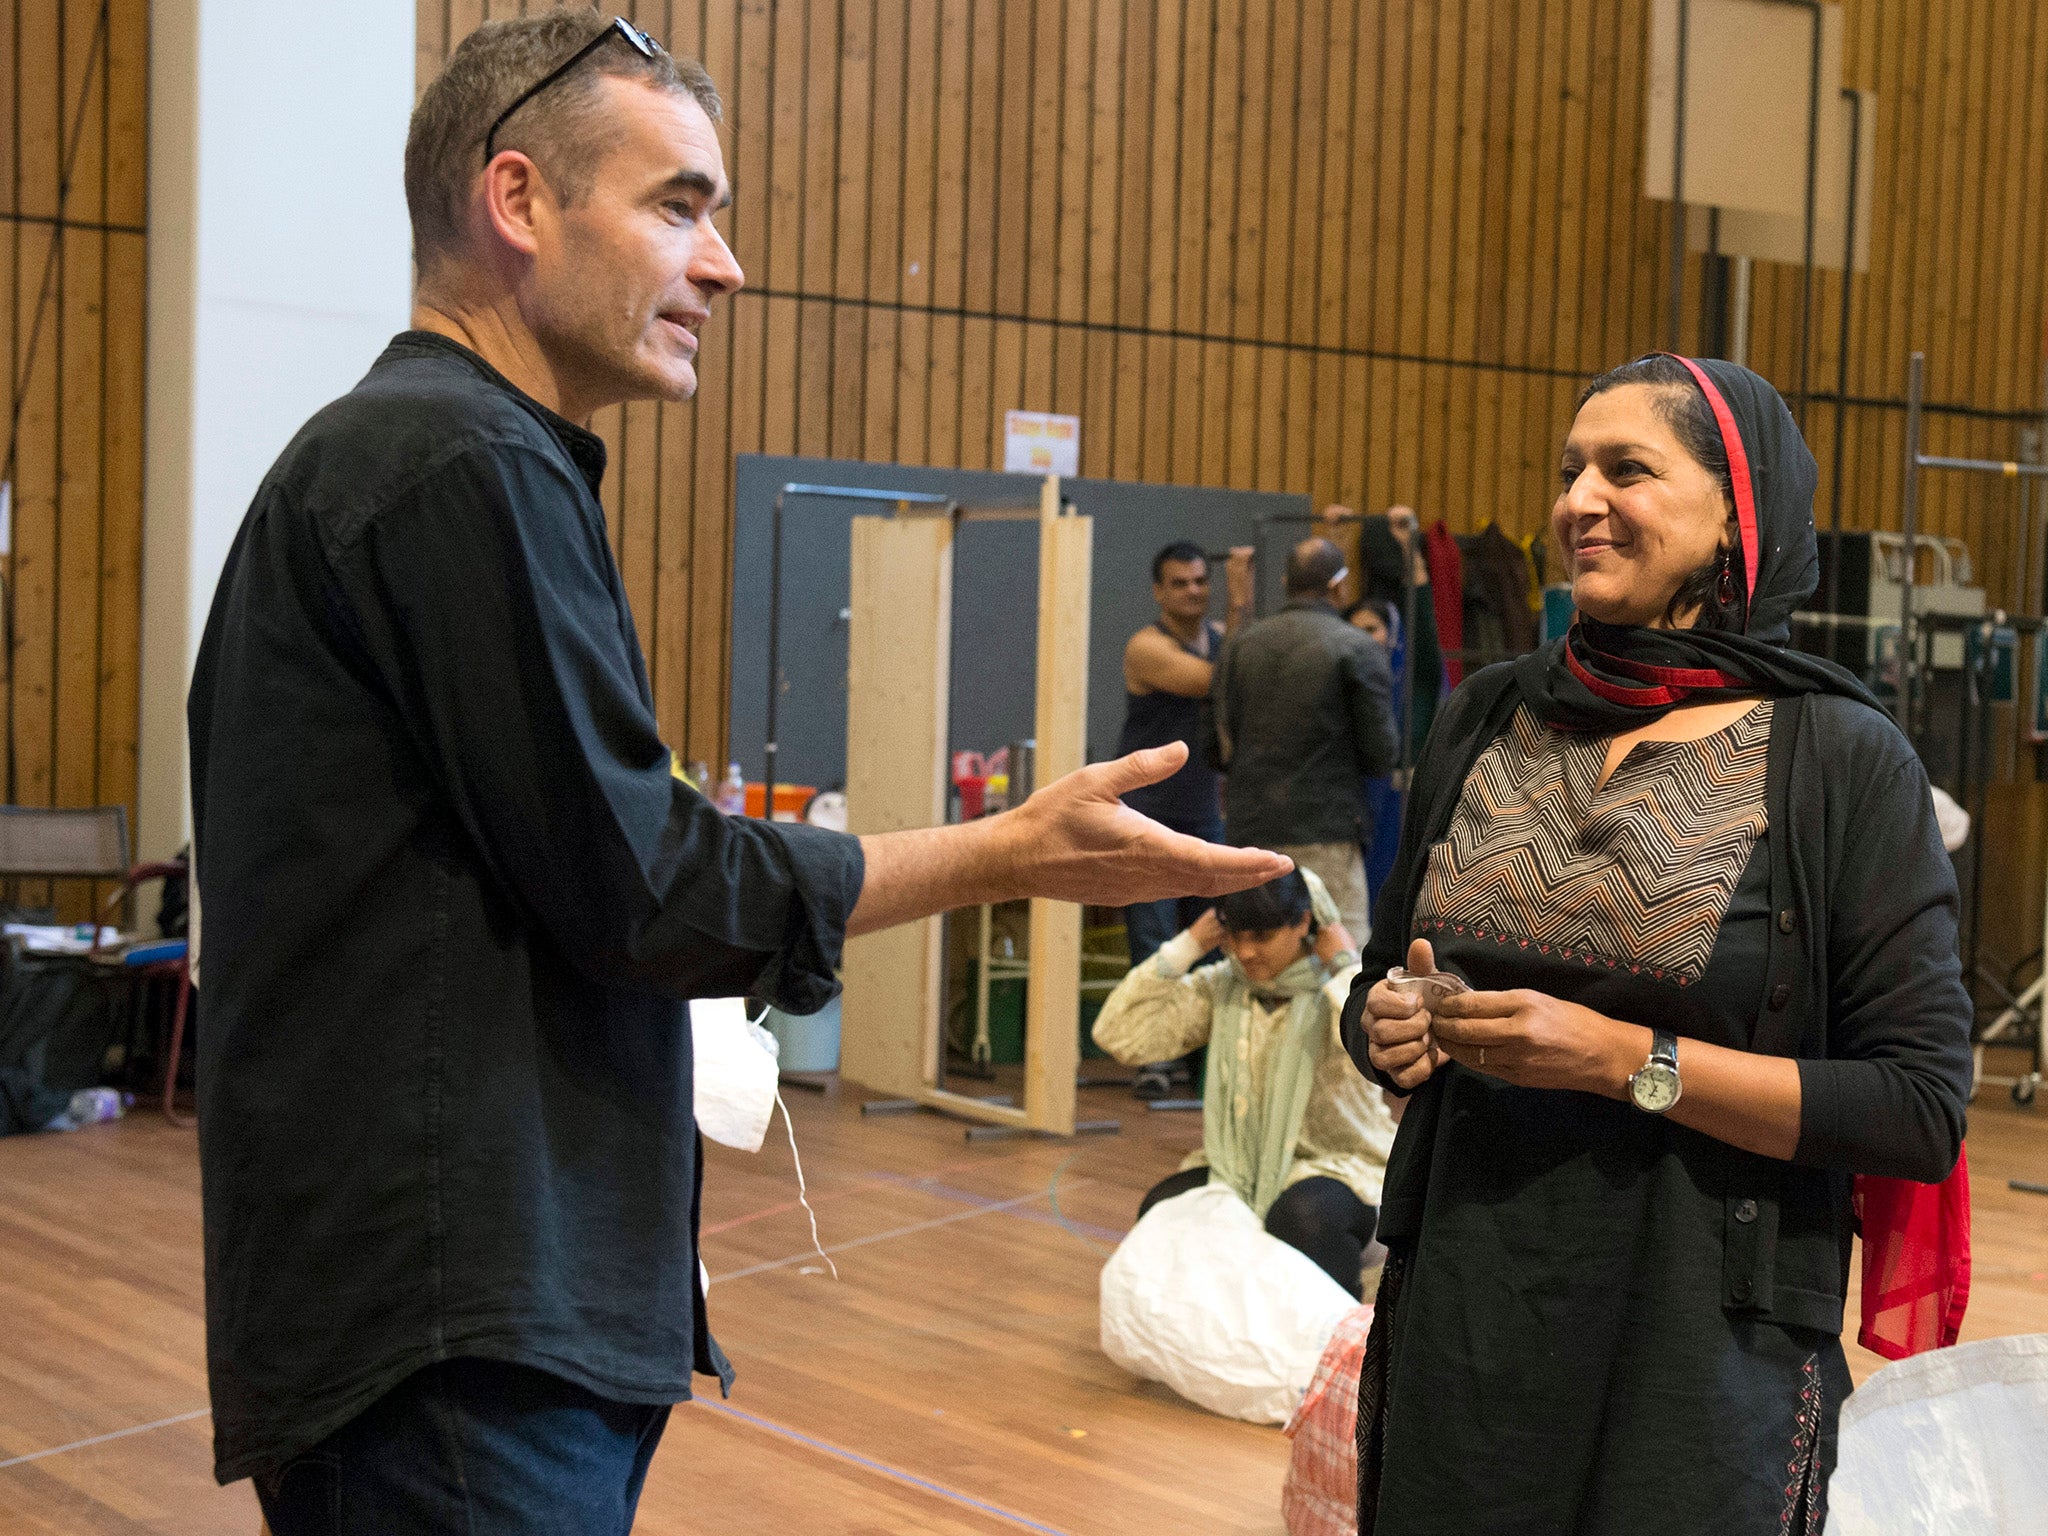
<point>1635,876</point>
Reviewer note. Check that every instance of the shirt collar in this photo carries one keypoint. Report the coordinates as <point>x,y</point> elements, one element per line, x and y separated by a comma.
<point>583,445</point>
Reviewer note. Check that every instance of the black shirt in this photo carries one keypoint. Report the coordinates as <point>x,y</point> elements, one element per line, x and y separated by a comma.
<point>453,899</point>
<point>1301,712</point>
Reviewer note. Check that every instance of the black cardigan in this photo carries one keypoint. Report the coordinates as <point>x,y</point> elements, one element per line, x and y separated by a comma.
<point>1864,988</point>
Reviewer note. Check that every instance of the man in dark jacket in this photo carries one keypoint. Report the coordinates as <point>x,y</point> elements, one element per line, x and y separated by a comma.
<point>455,900</point>
<point>1300,713</point>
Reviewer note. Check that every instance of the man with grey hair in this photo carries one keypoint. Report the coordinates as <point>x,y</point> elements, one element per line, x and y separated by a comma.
<point>1300,714</point>
<point>455,898</point>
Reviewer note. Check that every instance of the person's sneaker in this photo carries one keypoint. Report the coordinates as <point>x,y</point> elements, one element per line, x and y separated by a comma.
<point>1154,1081</point>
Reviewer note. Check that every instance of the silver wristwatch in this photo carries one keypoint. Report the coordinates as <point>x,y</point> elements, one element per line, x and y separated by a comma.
<point>1654,1086</point>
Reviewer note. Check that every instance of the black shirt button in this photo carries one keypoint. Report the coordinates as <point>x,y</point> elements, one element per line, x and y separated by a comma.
<point>1781,994</point>
<point>1785,921</point>
<point>1745,1210</point>
<point>1741,1290</point>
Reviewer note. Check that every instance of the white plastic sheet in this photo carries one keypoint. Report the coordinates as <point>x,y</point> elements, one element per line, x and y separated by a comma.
<point>1948,1443</point>
<point>1201,1297</point>
<point>736,1073</point>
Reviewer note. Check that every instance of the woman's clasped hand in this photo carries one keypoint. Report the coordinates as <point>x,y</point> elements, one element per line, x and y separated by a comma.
<point>1524,1037</point>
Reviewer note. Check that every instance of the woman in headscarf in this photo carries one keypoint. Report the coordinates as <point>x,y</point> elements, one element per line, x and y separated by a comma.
<point>1696,882</point>
<point>1286,1120</point>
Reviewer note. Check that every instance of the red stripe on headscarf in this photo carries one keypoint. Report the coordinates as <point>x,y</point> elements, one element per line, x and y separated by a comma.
<point>1676,677</point>
<point>1738,474</point>
<point>1614,693</point>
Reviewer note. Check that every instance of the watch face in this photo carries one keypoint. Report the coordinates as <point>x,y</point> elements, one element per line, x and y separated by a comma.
<point>1655,1087</point>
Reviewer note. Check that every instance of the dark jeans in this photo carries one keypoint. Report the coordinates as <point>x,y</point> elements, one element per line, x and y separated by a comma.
<point>470,1446</point>
<point>1321,1217</point>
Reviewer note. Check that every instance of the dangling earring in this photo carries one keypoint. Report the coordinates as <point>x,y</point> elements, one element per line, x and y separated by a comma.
<point>1725,588</point>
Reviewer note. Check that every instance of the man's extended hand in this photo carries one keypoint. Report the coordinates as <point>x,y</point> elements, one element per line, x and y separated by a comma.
<point>1075,840</point>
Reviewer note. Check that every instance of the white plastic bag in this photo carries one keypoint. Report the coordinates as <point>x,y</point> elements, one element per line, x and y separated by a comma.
<point>1947,1443</point>
<point>1200,1296</point>
<point>736,1073</point>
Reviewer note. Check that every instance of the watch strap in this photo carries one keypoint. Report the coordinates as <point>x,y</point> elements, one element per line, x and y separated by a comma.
<point>1664,1046</point>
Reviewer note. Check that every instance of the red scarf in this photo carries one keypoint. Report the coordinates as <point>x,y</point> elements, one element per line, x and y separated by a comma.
<point>1916,1261</point>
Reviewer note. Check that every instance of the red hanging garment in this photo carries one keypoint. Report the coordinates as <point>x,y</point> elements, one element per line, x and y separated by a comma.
<point>1447,595</point>
<point>1916,1261</point>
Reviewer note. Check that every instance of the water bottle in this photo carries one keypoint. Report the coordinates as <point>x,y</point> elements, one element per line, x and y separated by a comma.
<point>732,793</point>
<point>92,1106</point>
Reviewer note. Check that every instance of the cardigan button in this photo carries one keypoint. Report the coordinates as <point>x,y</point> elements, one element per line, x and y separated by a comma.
<point>1741,1290</point>
<point>1781,994</point>
<point>1785,921</point>
<point>1745,1210</point>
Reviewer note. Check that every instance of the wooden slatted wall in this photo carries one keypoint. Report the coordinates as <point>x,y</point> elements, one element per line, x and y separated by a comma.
<point>1366,251</point>
<point>73,164</point>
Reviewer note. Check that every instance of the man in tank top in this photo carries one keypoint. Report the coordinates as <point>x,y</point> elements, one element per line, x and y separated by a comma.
<point>1166,674</point>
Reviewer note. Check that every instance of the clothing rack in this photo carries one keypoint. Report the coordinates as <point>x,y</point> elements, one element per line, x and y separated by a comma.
<point>2035,998</point>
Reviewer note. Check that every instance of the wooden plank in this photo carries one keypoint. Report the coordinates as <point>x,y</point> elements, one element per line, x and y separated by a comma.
<point>849,377</point>
<point>639,481</point>
<point>704,727</point>
<point>899,659</point>
<point>954,171</point>
<point>1284,247</point>
<point>1466,213</point>
<point>882,280</point>
<point>1148,167</point>
<point>1334,61</point>
<point>120,567</point>
<point>972,442</point>
<point>671,666</point>
<point>34,579</point>
<point>778,379</point>
<point>1181,407</point>
<point>752,122</point>
<point>464,17</point>
<point>80,348</point>
<point>1078,172</point>
<point>811,376</point>
<point>1087,170</point>
<point>1053,1004</point>
<point>982,238</point>
<point>942,427</point>
<point>9,140</point>
<point>782,246</point>
<point>1014,126</point>
<point>1007,392</point>
<point>127,81</point>
<point>856,157</point>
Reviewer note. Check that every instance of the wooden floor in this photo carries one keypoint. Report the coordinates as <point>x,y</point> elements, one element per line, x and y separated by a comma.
<point>948,1383</point>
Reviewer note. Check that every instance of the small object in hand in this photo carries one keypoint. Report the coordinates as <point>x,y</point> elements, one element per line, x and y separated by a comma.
<point>1428,986</point>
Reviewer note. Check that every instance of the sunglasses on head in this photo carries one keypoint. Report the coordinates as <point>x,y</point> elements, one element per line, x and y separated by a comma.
<point>646,46</point>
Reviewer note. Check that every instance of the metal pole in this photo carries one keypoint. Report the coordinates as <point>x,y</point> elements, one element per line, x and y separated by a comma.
<point>774,655</point>
<point>1738,338</point>
<point>1812,197</point>
<point>1677,299</point>
<point>1855,100</point>
<point>1409,553</point>
<point>1909,656</point>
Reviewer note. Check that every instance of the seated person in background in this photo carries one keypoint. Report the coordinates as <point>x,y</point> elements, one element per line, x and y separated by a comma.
<point>1287,1121</point>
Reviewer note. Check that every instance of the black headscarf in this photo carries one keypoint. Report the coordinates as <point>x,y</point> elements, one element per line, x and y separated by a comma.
<point>1607,678</point>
